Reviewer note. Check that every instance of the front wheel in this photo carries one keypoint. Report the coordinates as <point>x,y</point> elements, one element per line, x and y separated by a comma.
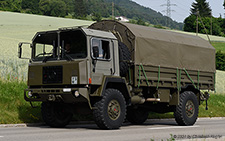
<point>55,114</point>
<point>186,113</point>
<point>110,111</point>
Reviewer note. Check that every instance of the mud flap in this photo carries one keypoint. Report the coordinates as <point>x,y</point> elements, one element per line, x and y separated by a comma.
<point>204,97</point>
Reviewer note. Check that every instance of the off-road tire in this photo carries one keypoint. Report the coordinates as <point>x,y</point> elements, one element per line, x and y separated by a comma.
<point>124,58</point>
<point>136,116</point>
<point>55,115</point>
<point>101,111</point>
<point>184,108</point>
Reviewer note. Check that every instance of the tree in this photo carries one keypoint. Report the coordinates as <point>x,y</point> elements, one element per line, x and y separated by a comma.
<point>203,7</point>
<point>224,4</point>
<point>44,6</point>
<point>10,5</point>
<point>190,23</point>
<point>80,9</point>
<point>55,8</point>
<point>31,6</point>
<point>58,8</point>
<point>96,17</point>
<point>141,22</point>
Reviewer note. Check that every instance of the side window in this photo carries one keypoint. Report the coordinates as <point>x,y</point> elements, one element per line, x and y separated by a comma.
<point>103,47</point>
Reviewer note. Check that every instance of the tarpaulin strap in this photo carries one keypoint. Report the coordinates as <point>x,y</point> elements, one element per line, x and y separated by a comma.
<point>198,80</point>
<point>141,67</point>
<point>139,81</point>
<point>189,77</point>
<point>158,78</point>
<point>178,80</point>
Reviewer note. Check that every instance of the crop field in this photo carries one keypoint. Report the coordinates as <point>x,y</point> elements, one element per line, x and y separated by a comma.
<point>17,27</point>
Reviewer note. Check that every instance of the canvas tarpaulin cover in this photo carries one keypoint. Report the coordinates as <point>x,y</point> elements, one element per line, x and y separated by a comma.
<point>158,47</point>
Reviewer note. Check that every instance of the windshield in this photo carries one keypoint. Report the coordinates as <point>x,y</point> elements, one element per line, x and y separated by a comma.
<point>71,45</point>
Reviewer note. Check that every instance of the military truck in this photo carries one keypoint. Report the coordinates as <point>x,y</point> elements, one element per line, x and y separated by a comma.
<point>118,71</point>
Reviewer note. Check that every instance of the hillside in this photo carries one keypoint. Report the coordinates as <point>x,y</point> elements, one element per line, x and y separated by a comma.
<point>132,10</point>
<point>85,9</point>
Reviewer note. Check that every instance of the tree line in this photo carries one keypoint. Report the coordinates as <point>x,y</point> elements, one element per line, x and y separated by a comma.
<point>201,15</point>
<point>89,10</point>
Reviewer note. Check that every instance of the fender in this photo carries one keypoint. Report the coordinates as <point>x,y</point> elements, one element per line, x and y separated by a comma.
<point>118,83</point>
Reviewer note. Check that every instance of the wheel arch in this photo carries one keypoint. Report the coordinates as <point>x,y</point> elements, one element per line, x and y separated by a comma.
<point>192,89</point>
<point>119,84</point>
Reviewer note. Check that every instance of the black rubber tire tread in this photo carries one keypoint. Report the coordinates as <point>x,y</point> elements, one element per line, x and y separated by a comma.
<point>136,116</point>
<point>50,117</point>
<point>100,112</point>
<point>180,113</point>
<point>124,56</point>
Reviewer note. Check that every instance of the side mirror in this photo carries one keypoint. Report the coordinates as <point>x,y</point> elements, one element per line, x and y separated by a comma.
<point>95,51</point>
<point>20,50</point>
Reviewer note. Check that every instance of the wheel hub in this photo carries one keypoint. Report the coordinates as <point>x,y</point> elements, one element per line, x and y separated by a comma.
<point>114,109</point>
<point>190,108</point>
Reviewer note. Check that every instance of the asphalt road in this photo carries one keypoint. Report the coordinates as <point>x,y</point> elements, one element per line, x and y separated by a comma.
<point>204,129</point>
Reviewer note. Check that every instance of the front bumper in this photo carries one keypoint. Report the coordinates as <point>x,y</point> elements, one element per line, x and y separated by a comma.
<point>66,95</point>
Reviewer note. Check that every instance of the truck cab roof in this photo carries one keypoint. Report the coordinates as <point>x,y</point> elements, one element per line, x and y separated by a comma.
<point>86,31</point>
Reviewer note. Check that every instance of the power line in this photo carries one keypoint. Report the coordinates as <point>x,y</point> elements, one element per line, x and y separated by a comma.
<point>168,11</point>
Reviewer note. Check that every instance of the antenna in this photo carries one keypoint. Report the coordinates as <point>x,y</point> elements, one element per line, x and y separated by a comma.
<point>168,11</point>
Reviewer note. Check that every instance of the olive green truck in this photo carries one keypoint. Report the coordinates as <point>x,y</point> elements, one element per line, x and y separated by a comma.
<point>118,71</point>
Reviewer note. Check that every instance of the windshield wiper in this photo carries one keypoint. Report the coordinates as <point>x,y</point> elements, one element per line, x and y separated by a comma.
<point>46,58</point>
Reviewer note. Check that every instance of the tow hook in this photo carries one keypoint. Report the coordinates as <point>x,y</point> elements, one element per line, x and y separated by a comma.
<point>205,97</point>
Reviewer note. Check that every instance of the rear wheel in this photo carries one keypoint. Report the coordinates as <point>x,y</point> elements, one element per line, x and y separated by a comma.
<point>55,114</point>
<point>186,113</point>
<point>136,116</point>
<point>110,111</point>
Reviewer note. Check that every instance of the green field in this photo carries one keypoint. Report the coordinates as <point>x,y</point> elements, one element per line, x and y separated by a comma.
<point>219,46</point>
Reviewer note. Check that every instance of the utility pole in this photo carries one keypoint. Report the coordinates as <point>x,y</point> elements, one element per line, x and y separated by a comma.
<point>203,25</point>
<point>168,11</point>
<point>197,24</point>
<point>211,26</point>
<point>113,11</point>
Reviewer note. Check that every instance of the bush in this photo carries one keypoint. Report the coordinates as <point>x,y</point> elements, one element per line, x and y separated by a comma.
<point>220,60</point>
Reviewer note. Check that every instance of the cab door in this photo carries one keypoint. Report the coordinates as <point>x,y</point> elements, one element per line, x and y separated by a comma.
<point>102,54</point>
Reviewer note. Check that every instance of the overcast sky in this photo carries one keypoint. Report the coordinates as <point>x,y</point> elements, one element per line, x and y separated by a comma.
<point>182,10</point>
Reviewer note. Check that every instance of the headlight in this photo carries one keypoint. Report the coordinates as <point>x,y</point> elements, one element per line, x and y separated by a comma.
<point>76,94</point>
<point>30,94</point>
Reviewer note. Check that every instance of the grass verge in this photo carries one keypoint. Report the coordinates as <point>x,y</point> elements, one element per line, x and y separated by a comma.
<point>219,46</point>
<point>14,109</point>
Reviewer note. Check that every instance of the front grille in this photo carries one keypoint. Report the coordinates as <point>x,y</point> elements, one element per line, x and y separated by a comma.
<point>52,74</point>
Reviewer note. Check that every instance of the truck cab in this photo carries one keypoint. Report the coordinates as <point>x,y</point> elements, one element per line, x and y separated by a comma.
<point>67,66</point>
